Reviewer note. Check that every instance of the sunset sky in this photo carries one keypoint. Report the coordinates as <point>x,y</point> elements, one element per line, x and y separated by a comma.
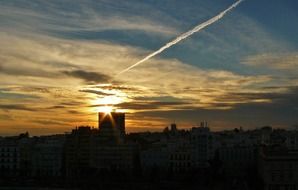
<point>59,61</point>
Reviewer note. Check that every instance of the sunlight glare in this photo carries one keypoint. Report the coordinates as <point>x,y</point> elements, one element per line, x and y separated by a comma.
<point>105,109</point>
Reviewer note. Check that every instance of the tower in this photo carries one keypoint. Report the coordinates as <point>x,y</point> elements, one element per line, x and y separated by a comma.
<point>112,125</point>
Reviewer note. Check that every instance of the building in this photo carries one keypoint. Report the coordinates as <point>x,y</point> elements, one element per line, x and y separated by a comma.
<point>9,157</point>
<point>155,157</point>
<point>90,150</point>
<point>292,140</point>
<point>237,160</point>
<point>114,157</point>
<point>180,159</point>
<point>78,150</point>
<point>112,126</point>
<point>47,157</point>
<point>202,145</point>
<point>278,168</point>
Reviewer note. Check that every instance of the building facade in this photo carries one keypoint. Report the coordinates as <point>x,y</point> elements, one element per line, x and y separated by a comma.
<point>202,145</point>
<point>112,126</point>
<point>9,158</point>
<point>278,168</point>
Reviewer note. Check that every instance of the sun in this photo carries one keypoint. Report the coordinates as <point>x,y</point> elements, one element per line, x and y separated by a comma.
<point>109,103</point>
<point>105,109</point>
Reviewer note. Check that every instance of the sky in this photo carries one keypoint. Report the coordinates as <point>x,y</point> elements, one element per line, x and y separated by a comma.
<point>59,62</point>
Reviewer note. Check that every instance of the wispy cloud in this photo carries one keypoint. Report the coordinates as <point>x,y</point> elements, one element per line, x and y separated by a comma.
<point>100,93</point>
<point>162,77</point>
<point>6,117</point>
<point>10,95</point>
<point>49,122</point>
<point>55,17</point>
<point>285,61</point>
<point>89,77</point>
<point>184,36</point>
<point>7,107</point>
<point>63,78</point>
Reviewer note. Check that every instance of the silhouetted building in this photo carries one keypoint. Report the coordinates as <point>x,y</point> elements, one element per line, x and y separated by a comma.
<point>9,158</point>
<point>155,157</point>
<point>292,140</point>
<point>78,150</point>
<point>47,157</point>
<point>237,160</point>
<point>114,157</point>
<point>180,158</point>
<point>202,145</point>
<point>90,150</point>
<point>112,126</point>
<point>278,168</point>
<point>92,157</point>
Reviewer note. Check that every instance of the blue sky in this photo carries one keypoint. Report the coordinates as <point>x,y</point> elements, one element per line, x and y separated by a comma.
<point>59,57</point>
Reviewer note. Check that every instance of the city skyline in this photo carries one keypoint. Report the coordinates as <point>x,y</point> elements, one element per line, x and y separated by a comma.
<point>59,63</point>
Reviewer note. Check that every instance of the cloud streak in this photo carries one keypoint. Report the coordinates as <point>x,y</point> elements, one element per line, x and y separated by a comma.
<point>16,107</point>
<point>285,61</point>
<point>184,36</point>
<point>89,77</point>
<point>57,76</point>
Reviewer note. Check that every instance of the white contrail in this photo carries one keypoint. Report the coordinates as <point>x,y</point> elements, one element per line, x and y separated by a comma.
<point>183,36</point>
